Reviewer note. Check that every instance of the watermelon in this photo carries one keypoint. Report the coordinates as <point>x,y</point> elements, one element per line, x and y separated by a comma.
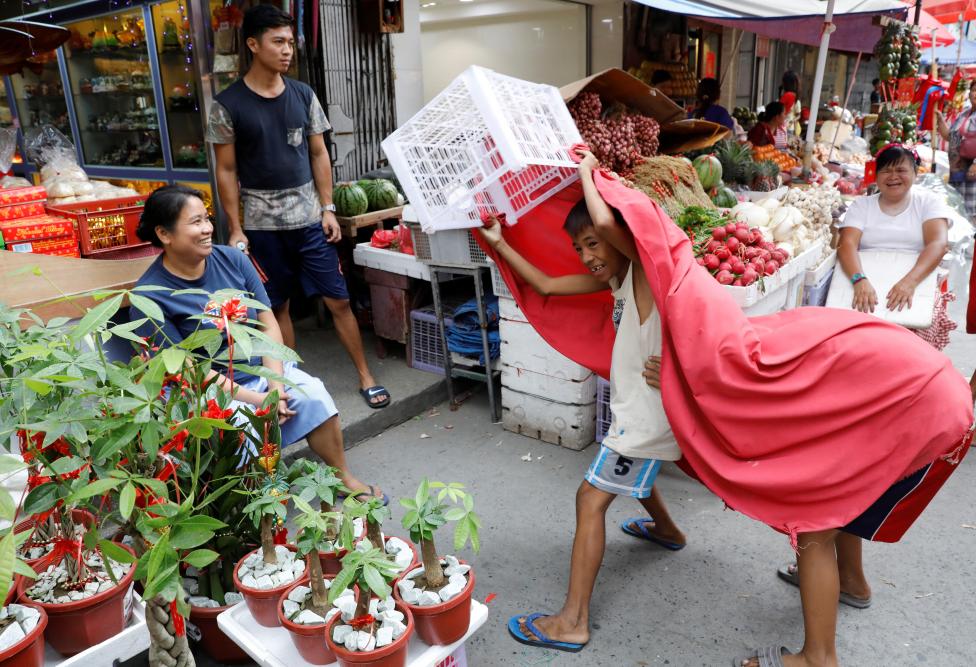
<point>725,198</point>
<point>382,194</point>
<point>709,170</point>
<point>350,199</point>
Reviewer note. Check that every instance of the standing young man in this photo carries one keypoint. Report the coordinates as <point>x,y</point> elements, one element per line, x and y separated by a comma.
<point>268,133</point>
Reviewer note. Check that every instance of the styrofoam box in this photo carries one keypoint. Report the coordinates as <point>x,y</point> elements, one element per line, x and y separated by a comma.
<point>570,426</point>
<point>389,260</point>
<point>816,275</point>
<point>523,347</point>
<point>771,285</point>
<point>885,268</point>
<point>545,385</point>
<point>132,641</point>
<point>509,310</point>
<point>272,647</point>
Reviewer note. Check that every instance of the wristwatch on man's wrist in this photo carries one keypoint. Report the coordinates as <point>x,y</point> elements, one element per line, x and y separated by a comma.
<point>329,207</point>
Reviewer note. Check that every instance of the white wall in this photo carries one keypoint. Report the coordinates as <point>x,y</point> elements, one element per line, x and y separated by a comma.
<point>408,68</point>
<point>607,35</point>
<point>547,46</point>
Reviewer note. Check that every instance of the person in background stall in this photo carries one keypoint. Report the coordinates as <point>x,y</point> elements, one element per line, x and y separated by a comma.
<point>876,92</point>
<point>708,108</point>
<point>770,122</point>
<point>661,79</point>
<point>190,269</point>
<point>268,134</point>
<point>790,90</point>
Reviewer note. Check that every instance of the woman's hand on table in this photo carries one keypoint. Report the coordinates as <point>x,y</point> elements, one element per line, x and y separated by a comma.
<point>900,296</point>
<point>865,298</point>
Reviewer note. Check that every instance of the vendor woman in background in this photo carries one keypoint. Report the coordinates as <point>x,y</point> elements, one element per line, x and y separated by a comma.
<point>708,107</point>
<point>771,120</point>
<point>900,218</point>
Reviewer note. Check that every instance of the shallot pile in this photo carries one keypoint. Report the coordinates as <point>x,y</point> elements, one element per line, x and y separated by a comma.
<point>739,256</point>
<point>618,137</point>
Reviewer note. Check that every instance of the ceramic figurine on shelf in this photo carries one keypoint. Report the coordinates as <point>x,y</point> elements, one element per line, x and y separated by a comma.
<point>171,37</point>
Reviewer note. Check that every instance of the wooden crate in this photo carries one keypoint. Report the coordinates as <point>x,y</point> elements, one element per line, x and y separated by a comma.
<point>353,224</point>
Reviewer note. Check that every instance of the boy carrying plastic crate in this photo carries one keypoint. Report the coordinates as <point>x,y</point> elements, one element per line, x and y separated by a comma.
<point>639,438</point>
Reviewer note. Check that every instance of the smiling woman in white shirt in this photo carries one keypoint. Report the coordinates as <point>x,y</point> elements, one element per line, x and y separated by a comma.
<point>899,217</point>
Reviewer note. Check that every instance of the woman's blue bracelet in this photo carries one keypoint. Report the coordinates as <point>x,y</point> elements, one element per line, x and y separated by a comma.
<point>857,277</point>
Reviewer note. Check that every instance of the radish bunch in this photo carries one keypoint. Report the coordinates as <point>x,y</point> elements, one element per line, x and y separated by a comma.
<point>738,255</point>
<point>618,137</point>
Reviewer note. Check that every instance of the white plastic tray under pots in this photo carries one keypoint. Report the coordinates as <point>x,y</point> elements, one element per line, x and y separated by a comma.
<point>132,641</point>
<point>272,647</point>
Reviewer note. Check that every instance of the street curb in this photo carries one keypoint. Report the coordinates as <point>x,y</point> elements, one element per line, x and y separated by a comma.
<point>378,421</point>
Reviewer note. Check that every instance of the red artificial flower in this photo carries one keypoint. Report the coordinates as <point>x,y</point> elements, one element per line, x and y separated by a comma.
<point>262,412</point>
<point>178,442</point>
<point>179,625</point>
<point>280,536</point>
<point>169,469</point>
<point>214,411</point>
<point>229,311</point>
<point>362,622</point>
<point>491,596</point>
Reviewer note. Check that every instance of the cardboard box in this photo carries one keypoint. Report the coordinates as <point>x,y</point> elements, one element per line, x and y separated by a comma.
<point>678,133</point>
<point>36,229</point>
<point>64,246</point>
<point>18,211</point>
<point>11,196</point>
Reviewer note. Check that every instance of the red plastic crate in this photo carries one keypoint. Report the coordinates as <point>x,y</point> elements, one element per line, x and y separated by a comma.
<point>106,225</point>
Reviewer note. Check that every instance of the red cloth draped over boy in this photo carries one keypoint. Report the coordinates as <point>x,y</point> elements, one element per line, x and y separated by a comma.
<point>801,419</point>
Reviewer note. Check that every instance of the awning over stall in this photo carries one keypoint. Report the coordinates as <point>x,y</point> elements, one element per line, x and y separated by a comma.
<point>800,21</point>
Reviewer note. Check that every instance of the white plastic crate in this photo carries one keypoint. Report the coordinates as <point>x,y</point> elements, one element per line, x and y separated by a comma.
<point>390,260</point>
<point>448,247</point>
<point>772,295</point>
<point>498,285</point>
<point>273,647</point>
<point>816,275</point>
<point>487,143</point>
<point>570,426</point>
<point>523,347</point>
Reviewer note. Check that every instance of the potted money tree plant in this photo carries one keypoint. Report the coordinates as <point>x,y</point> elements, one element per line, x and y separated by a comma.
<point>373,512</point>
<point>438,591</point>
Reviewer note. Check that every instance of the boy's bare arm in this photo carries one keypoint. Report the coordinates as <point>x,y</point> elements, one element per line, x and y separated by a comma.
<point>538,280</point>
<point>600,212</point>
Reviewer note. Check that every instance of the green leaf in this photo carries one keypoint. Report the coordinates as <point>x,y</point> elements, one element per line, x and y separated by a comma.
<point>8,556</point>
<point>461,532</point>
<point>96,317</point>
<point>66,464</point>
<point>173,359</point>
<point>7,506</point>
<point>108,448</point>
<point>162,580</point>
<point>410,519</point>
<point>41,498</point>
<point>454,514</point>
<point>24,570</point>
<point>201,522</point>
<point>423,493</point>
<point>114,552</point>
<point>127,500</point>
<point>10,464</point>
<point>188,538</point>
<point>38,386</point>
<point>200,558</point>
<point>147,307</point>
<point>97,488</point>
<point>375,581</point>
<point>408,503</point>
<point>342,581</point>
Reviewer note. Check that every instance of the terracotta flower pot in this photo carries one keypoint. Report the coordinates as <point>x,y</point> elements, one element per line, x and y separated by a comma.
<point>263,604</point>
<point>445,623</point>
<point>392,655</point>
<point>79,516</point>
<point>308,639</point>
<point>12,593</point>
<point>215,643</point>
<point>332,561</point>
<point>75,626</point>
<point>29,651</point>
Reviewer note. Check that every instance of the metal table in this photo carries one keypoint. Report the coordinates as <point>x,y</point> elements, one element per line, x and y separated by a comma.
<point>450,370</point>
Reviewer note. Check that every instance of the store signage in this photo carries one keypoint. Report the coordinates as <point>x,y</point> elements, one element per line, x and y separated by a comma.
<point>762,46</point>
<point>905,91</point>
<point>710,68</point>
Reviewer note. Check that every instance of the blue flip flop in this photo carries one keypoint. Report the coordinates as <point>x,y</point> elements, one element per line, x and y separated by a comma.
<point>643,533</point>
<point>542,641</point>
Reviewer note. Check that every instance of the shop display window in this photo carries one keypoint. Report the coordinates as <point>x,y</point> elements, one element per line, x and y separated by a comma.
<point>111,80</point>
<point>39,95</point>
<point>176,52</point>
<point>225,22</point>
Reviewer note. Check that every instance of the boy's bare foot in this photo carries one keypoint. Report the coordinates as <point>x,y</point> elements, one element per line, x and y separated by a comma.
<point>558,629</point>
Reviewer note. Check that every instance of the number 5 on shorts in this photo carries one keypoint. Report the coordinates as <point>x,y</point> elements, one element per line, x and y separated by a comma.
<point>623,466</point>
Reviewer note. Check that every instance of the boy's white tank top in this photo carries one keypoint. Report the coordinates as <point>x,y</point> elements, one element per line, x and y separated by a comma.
<point>639,427</point>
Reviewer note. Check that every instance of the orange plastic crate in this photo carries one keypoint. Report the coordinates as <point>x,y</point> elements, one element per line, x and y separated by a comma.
<point>106,225</point>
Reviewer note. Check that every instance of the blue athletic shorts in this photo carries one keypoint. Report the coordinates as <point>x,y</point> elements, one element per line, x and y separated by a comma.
<point>298,256</point>
<point>622,475</point>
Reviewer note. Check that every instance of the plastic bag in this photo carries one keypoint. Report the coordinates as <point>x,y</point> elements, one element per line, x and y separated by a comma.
<point>8,145</point>
<point>53,153</point>
<point>397,239</point>
<point>855,145</point>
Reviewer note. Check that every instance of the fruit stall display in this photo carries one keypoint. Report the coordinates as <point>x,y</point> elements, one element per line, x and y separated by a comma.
<point>745,117</point>
<point>783,160</point>
<point>365,195</point>
<point>898,52</point>
<point>894,126</point>
<point>683,82</point>
<point>619,137</point>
